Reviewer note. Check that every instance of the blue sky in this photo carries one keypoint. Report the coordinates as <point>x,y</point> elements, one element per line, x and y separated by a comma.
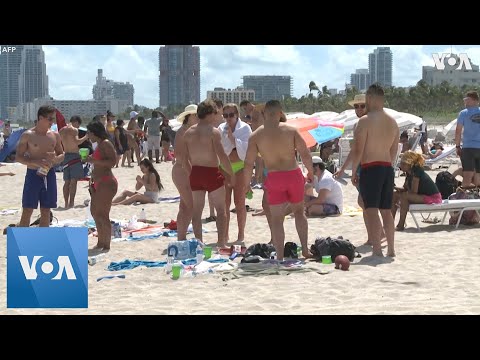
<point>72,69</point>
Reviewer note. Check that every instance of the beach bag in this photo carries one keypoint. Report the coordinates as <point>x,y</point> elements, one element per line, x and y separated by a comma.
<point>469,217</point>
<point>325,246</point>
<point>446,184</point>
<point>262,250</point>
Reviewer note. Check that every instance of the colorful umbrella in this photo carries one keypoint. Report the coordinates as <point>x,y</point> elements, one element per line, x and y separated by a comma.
<point>326,131</point>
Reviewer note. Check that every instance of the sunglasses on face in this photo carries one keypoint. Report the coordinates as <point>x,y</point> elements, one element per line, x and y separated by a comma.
<point>359,106</point>
<point>229,115</point>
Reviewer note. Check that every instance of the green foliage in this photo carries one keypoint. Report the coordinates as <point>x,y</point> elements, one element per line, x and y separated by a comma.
<point>438,104</point>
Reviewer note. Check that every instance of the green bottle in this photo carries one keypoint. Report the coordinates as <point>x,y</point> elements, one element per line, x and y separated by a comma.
<point>249,195</point>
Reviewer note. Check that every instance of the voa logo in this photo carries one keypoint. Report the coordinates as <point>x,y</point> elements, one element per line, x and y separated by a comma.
<point>46,267</point>
<point>452,60</point>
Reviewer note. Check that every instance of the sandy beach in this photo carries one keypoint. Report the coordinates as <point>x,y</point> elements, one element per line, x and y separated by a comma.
<point>435,271</point>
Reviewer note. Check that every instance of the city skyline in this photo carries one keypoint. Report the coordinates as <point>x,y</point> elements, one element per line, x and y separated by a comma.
<point>72,69</point>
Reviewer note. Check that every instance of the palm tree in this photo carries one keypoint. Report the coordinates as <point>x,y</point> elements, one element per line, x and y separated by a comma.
<point>313,86</point>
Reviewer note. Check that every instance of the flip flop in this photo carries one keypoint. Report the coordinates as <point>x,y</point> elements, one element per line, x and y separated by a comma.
<point>121,276</point>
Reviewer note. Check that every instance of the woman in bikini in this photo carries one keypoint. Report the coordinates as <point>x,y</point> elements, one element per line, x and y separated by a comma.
<point>152,183</point>
<point>103,186</point>
<point>180,175</point>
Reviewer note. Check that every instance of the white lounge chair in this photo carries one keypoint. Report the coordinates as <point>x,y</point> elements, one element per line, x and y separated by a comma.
<point>445,206</point>
<point>396,165</point>
<point>447,152</point>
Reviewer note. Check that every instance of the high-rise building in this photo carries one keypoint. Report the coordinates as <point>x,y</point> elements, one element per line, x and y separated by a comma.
<point>380,66</point>
<point>105,89</point>
<point>9,72</point>
<point>123,91</point>
<point>231,95</point>
<point>179,79</point>
<point>269,87</point>
<point>433,76</point>
<point>361,79</point>
<point>33,79</point>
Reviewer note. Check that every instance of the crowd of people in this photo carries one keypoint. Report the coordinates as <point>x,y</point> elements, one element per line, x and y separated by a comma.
<point>222,150</point>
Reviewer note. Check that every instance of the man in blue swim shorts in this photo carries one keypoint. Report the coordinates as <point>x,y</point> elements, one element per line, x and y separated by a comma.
<point>41,150</point>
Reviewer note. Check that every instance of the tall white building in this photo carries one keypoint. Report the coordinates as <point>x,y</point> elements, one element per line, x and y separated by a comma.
<point>361,79</point>
<point>380,66</point>
<point>105,89</point>
<point>231,95</point>
<point>432,76</point>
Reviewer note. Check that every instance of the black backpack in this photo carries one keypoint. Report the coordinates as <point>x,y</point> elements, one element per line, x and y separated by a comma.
<point>446,184</point>
<point>333,247</point>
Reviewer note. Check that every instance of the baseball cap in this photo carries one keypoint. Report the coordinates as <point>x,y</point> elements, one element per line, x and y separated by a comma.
<point>133,114</point>
<point>317,160</point>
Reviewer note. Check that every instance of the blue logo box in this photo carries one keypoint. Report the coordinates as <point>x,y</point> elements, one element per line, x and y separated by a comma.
<point>47,267</point>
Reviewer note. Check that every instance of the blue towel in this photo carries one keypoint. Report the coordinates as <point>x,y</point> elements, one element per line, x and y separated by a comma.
<point>143,237</point>
<point>132,264</point>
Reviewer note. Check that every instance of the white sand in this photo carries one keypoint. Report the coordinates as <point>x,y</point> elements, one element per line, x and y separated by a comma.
<point>435,271</point>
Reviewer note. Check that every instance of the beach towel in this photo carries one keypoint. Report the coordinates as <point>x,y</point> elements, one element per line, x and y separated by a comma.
<point>132,264</point>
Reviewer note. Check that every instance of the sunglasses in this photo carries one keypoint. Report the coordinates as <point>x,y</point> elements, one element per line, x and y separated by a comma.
<point>229,115</point>
<point>357,106</point>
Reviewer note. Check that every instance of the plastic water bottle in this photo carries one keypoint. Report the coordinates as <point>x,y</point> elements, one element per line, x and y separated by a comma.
<point>92,260</point>
<point>168,267</point>
<point>199,254</point>
<point>273,255</point>
<point>249,195</point>
<point>89,215</point>
<point>142,216</point>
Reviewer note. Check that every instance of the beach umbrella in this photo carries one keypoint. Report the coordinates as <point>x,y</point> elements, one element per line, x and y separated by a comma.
<point>325,115</point>
<point>326,131</point>
<point>303,125</point>
<point>449,129</point>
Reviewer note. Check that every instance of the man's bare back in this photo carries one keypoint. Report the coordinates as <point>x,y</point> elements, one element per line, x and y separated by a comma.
<point>277,146</point>
<point>69,135</point>
<point>38,147</point>
<point>380,132</point>
<point>200,140</point>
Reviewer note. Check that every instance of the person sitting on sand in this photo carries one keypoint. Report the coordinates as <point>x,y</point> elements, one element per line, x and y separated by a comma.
<point>152,183</point>
<point>419,188</point>
<point>329,201</point>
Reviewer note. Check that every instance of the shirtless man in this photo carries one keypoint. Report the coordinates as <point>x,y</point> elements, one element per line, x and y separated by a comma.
<point>360,110</point>
<point>276,142</point>
<point>375,149</point>
<point>73,168</point>
<point>247,111</point>
<point>37,148</point>
<point>216,123</point>
<point>201,152</point>
<point>188,118</point>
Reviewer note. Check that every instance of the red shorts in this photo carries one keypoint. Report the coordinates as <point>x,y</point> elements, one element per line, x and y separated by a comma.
<point>285,186</point>
<point>432,199</point>
<point>203,178</point>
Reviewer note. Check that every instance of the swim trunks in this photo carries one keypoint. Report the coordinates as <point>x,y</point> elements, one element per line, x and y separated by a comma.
<point>204,178</point>
<point>376,185</point>
<point>285,186</point>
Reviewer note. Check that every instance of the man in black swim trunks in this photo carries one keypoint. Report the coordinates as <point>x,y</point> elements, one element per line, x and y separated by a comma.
<point>376,146</point>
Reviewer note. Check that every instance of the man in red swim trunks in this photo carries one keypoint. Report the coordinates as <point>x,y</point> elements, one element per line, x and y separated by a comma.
<point>276,142</point>
<point>202,151</point>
